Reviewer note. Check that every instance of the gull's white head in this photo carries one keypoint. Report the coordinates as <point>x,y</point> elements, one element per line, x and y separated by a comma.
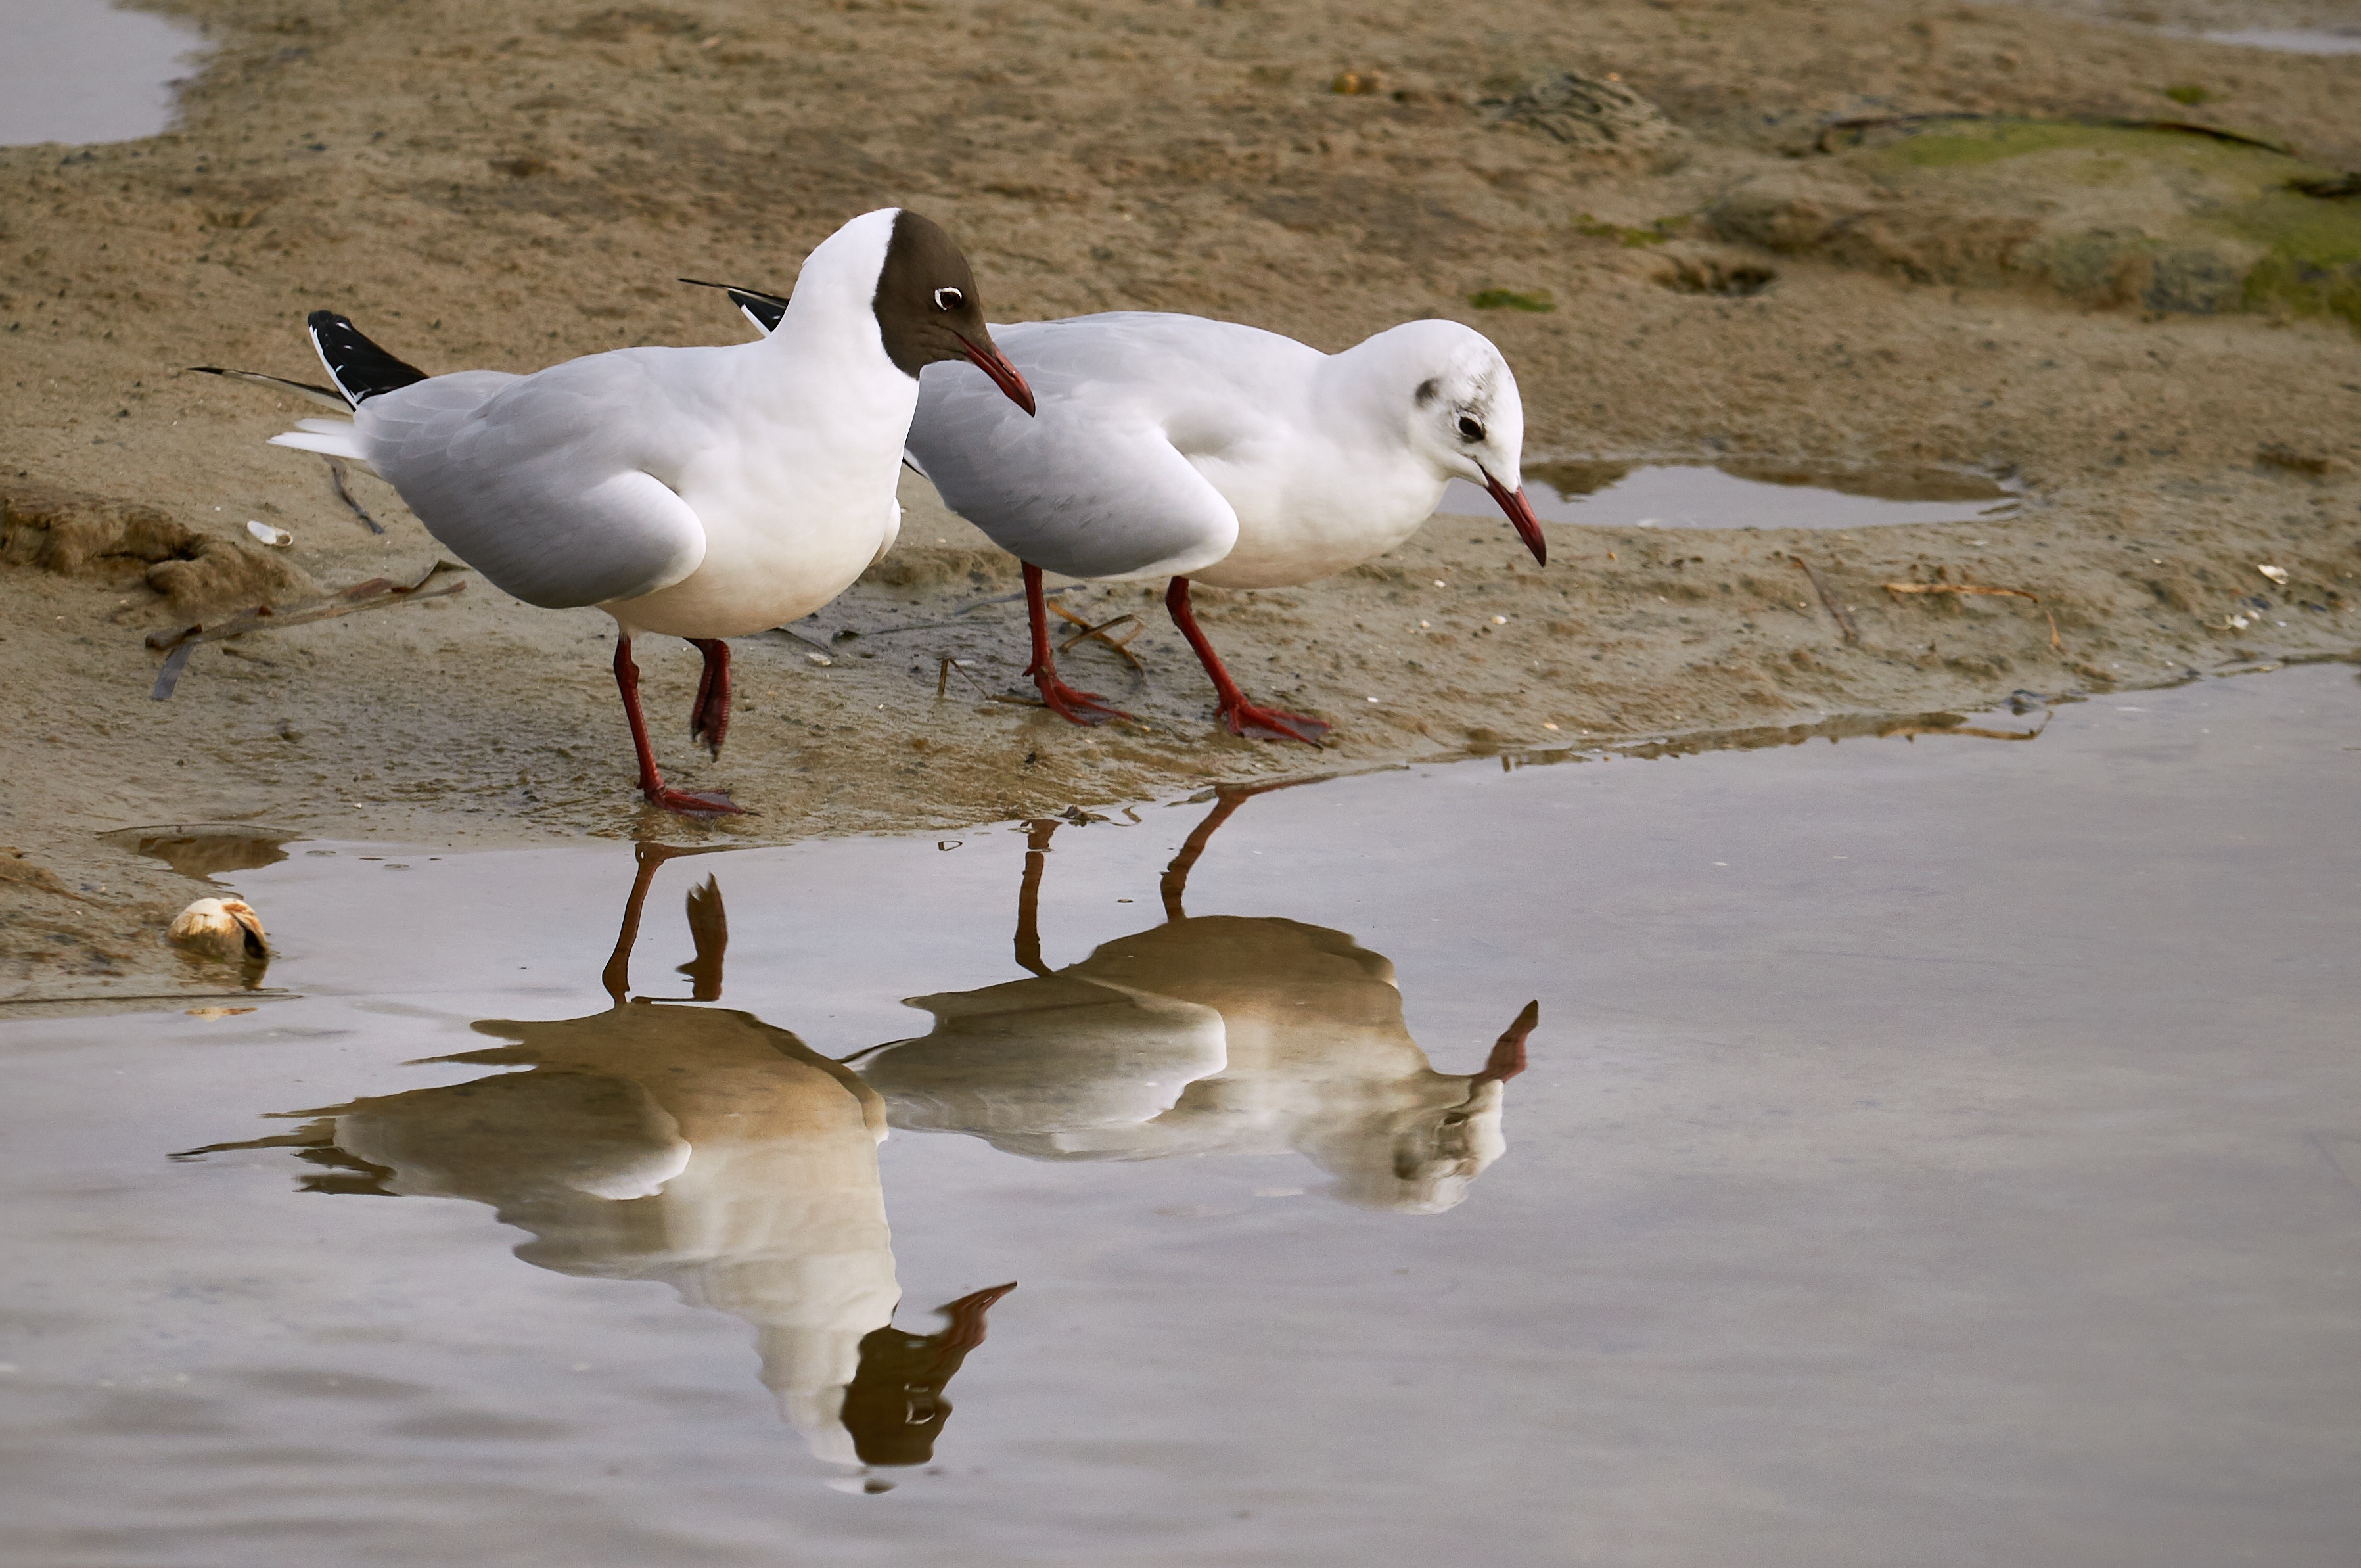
<point>1459,397</point>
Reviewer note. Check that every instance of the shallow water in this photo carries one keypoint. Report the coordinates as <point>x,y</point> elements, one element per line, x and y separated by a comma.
<point>2292,40</point>
<point>80,71</point>
<point>1689,495</point>
<point>1943,1151</point>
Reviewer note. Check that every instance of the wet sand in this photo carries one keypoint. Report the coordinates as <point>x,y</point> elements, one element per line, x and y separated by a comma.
<point>506,184</point>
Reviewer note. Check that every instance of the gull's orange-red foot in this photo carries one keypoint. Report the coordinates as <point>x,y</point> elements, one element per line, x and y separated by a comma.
<point>1075,707</point>
<point>695,803</point>
<point>1272,724</point>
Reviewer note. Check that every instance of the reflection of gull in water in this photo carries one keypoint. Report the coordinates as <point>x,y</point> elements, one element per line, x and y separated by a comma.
<point>1205,1034</point>
<point>698,1146</point>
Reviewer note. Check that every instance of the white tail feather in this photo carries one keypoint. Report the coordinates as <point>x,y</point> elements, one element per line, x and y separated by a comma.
<point>334,437</point>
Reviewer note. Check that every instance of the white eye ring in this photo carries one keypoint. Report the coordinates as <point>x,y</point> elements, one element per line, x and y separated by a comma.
<point>949,299</point>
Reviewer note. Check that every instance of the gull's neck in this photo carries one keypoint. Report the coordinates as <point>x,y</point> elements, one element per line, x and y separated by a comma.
<point>831,317</point>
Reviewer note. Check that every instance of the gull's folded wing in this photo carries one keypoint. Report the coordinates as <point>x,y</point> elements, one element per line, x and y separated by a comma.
<point>535,482</point>
<point>1094,487</point>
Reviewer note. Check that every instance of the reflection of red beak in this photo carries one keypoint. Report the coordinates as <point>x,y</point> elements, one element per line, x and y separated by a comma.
<point>1004,375</point>
<point>1520,515</point>
<point>1508,1057</point>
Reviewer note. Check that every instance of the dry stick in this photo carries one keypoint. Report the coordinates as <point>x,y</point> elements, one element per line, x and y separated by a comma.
<point>337,477</point>
<point>1844,617</point>
<point>807,642</point>
<point>1972,729</point>
<point>1011,598</point>
<point>1099,631</point>
<point>1977,588</point>
<point>946,663</point>
<point>2109,122</point>
<point>375,594</point>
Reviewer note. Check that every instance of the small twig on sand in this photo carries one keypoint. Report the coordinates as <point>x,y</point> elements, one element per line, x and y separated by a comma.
<point>1862,122</point>
<point>2032,734</point>
<point>807,642</point>
<point>1012,598</point>
<point>945,665</point>
<point>1979,588</point>
<point>1100,632</point>
<point>1844,616</point>
<point>375,594</point>
<point>337,477</point>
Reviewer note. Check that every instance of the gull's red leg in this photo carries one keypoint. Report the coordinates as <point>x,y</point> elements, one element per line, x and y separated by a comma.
<point>708,717</point>
<point>651,785</point>
<point>1079,707</point>
<point>1243,717</point>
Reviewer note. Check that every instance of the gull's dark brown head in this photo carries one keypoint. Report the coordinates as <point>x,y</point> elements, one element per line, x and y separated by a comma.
<point>928,309</point>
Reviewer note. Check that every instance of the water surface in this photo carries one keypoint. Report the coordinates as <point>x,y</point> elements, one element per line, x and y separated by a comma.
<point>1938,1151</point>
<point>81,71</point>
<point>1739,495</point>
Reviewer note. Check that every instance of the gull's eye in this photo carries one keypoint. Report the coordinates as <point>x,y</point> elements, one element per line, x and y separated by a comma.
<point>949,299</point>
<point>1470,428</point>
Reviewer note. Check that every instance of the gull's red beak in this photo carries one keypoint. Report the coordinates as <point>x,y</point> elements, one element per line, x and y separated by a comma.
<point>992,363</point>
<point>1520,515</point>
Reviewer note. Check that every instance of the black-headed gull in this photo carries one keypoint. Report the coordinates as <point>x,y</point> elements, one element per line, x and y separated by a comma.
<point>696,1145</point>
<point>699,493</point>
<point>1175,446</point>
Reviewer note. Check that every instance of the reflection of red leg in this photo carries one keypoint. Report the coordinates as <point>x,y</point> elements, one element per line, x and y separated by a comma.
<point>708,717</point>
<point>1080,707</point>
<point>651,785</point>
<point>1243,717</point>
<point>1028,898</point>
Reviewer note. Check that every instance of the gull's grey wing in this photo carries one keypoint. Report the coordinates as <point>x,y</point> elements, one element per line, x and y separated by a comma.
<point>1046,1066</point>
<point>536,481</point>
<point>1092,486</point>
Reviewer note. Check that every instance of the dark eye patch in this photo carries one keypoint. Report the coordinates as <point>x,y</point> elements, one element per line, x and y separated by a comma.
<point>1470,428</point>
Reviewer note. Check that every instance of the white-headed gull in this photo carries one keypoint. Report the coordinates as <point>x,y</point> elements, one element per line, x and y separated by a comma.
<point>1206,1034</point>
<point>1175,446</point>
<point>699,493</point>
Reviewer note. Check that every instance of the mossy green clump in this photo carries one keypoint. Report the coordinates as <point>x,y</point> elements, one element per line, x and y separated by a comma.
<point>2188,93</point>
<point>1510,300</point>
<point>2176,220</point>
<point>1952,144</point>
<point>2312,261</point>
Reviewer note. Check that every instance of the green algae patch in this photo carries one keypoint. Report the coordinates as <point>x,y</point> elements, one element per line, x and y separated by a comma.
<point>1510,300</point>
<point>2312,254</point>
<point>2170,217</point>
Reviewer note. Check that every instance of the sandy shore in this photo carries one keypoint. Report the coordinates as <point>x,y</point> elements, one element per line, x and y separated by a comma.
<point>506,184</point>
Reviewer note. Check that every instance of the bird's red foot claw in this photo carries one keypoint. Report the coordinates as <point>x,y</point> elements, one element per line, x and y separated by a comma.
<point>693,802</point>
<point>1075,707</point>
<point>1275,724</point>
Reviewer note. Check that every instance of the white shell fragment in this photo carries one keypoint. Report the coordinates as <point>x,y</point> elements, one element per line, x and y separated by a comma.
<point>2276,574</point>
<point>225,928</point>
<point>267,534</point>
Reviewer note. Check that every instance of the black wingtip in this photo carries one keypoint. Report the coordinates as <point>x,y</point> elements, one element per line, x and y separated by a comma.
<point>329,395</point>
<point>765,311</point>
<point>360,369</point>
